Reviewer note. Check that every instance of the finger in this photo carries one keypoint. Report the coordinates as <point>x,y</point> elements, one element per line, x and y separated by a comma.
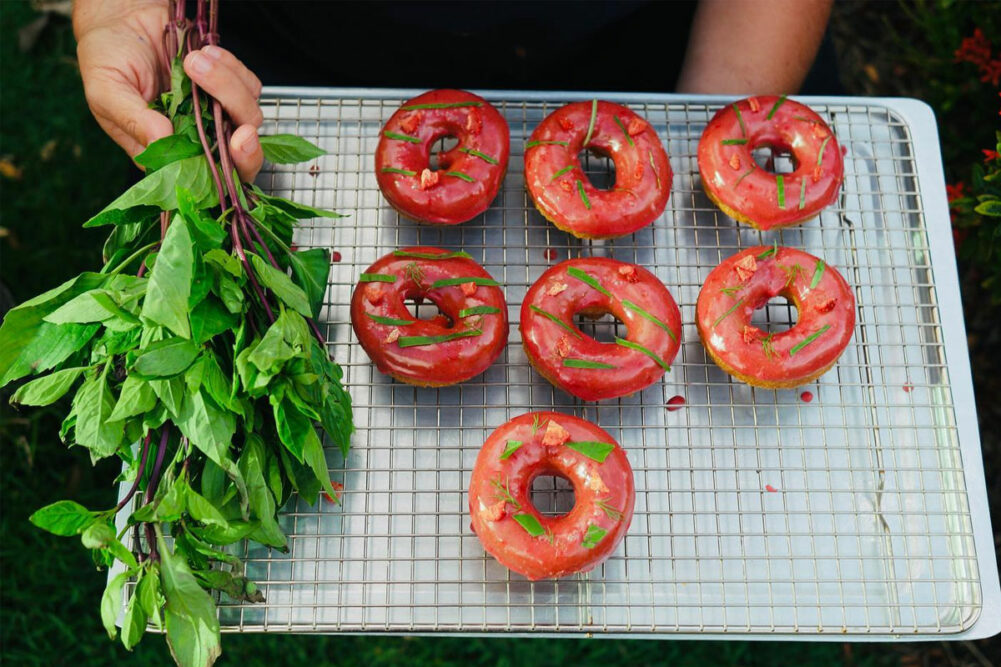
<point>123,113</point>
<point>223,84</point>
<point>227,59</point>
<point>245,148</point>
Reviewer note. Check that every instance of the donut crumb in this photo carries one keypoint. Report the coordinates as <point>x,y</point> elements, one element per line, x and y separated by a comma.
<point>746,267</point>
<point>636,126</point>
<point>494,512</point>
<point>753,103</point>
<point>629,273</point>
<point>410,122</point>
<point>563,347</point>
<point>429,179</point>
<point>374,295</point>
<point>735,162</point>
<point>469,289</point>
<point>393,336</point>
<point>556,288</point>
<point>555,435</point>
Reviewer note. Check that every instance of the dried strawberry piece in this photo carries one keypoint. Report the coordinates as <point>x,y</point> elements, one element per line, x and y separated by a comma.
<point>566,124</point>
<point>751,334</point>
<point>563,346</point>
<point>410,122</point>
<point>555,435</point>
<point>374,295</point>
<point>746,267</point>
<point>565,184</point>
<point>494,512</point>
<point>469,289</point>
<point>629,273</point>
<point>753,103</point>
<point>819,131</point>
<point>393,336</point>
<point>638,171</point>
<point>556,288</point>
<point>816,174</point>
<point>594,482</point>
<point>473,122</point>
<point>827,306</point>
<point>735,162</point>
<point>636,126</point>
<point>429,179</point>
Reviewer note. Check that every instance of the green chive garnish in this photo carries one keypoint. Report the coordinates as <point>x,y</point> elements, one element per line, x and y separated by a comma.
<point>781,183</point>
<point>483,156</point>
<point>376,278</point>
<point>809,339</point>
<point>442,105</point>
<point>727,313</point>
<point>401,137</point>
<point>622,127</point>
<point>392,321</point>
<point>590,125</point>
<point>478,310</point>
<point>431,255</point>
<point>459,174</point>
<point>731,291</point>
<point>448,282</point>
<point>653,318</point>
<point>561,172</point>
<point>740,119</point>
<point>779,102</point>
<point>533,144</point>
<point>610,512</point>
<point>583,195</point>
<point>530,524</point>
<point>503,493</point>
<point>415,341</point>
<point>511,448</point>
<point>774,250</point>
<point>586,277</point>
<point>648,352</point>
<point>592,449</point>
<point>766,345</point>
<point>818,272</point>
<point>570,362</point>
<point>745,175</point>
<point>802,195</point>
<point>654,167</point>
<point>805,119</point>
<point>558,321</point>
<point>823,147</point>
<point>394,170</point>
<point>593,536</point>
<point>734,142</point>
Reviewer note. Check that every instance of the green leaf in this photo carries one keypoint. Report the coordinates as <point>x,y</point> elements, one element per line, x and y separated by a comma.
<point>168,149</point>
<point>136,617</point>
<point>312,454</point>
<point>180,86</point>
<point>289,149</point>
<point>237,587</point>
<point>166,358</point>
<point>48,389</point>
<point>93,405</point>
<point>273,351</point>
<point>294,428</point>
<point>101,535</point>
<point>295,209</point>
<point>209,319</point>
<point>208,233</point>
<point>530,524</point>
<point>310,269</point>
<point>592,449</point>
<point>166,301</point>
<point>991,207</point>
<point>148,592</point>
<point>190,613</point>
<point>159,190</point>
<point>237,530</point>
<point>64,518</point>
<point>282,286</point>
<point>207,427</point>
<point>571,362</point>
<point>93,306</point>
<point>203,510</point>
<point>111,602</point>
<point>511,447</point>
<point>170,392</point>
<point>593,536</point>
<point>262,502</point>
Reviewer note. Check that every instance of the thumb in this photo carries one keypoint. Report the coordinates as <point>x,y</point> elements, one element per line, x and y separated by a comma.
<point>125,116</point>
<point>247,153</point>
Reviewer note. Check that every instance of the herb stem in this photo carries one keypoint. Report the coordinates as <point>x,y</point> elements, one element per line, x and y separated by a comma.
<point>139,475</point>
<point>128,260</point>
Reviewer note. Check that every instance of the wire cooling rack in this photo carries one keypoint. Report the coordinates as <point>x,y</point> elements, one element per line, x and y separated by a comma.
<point>861,512</point>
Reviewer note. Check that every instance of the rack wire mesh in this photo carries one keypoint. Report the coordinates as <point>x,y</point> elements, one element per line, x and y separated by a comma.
<point>757,512</point>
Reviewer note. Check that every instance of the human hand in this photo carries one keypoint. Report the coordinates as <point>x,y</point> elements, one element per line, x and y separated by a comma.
<point>119,49</point>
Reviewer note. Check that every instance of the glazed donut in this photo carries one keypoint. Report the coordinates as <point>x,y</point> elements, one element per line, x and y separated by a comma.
<point>752,195</point>
<point>457,344</point>
<point>468,175</point>
<point>562,192</point>
<point>744,283</point>
<point>577,363</point>
<point>548,443</point>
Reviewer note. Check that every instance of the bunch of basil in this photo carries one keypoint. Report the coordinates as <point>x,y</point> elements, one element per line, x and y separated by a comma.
<point>194,358</point>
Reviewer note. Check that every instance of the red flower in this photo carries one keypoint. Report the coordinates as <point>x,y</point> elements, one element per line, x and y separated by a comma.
<point>991,72</point>
<point>976,49</point>
<point>990,155</point>
<point>957,191</point>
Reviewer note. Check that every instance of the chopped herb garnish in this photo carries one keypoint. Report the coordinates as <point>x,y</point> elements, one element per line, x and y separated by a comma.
<point>511,448</point>
<point>809,339</point>
<point>648,352</point>
<point>593,535</point>
<point>414,273</point>
<point>745,175</point>
<point>458,174</point>
<point>376,278</point>
<point>586,277</point>
<point>610,512</point>
<point>622,127</point>
<point>431,255</point>
<point>823,147</point>
<point>592,449</point>
<point>731,291</point>
<point>533,144</point>
<point>570,362</point>
<point>561,172</point>
<point>550,316</point>
<point>476,280</point>
<point>416,341</point>
<point>503,493</point>
<point>727,313</point>
<point>805,119</point>
<point>394,170</point>
<point>478,310</point>
<point>734,142</point>
<point>792,272</point>
<point>401,137</point>
<point>392,321</point>
<point>483,156</point>
<point>740,119</point>
<point>802,194</point>
<point>779,102</point>
<point>780,182</point>
<point>774,250</point>
<point>583,195</point>
<point>654,167</point>
<point>590,125</point>
<point>818,273</point>
<point>649,316</point>
<point>536,424</point>
<point>530,524</point>
<point>442,105</point>
<point>766,345</point>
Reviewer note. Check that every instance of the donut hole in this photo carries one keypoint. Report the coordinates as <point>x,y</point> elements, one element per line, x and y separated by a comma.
<point>438,147</point>
<point>776,315</point>
<point>775,159</point>
<point>601,326</point>
<point>425,309</point>
<point>598,167</point>
<point>552,495</point>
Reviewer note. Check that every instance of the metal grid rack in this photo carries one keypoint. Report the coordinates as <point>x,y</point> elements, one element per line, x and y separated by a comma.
<point>757,513</point>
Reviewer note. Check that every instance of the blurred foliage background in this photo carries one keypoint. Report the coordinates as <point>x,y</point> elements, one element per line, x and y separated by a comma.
<point>57,168</point>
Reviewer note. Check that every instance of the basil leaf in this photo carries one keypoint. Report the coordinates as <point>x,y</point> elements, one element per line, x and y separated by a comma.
<point>207,427</point>
<point>180,86</point>
<point>211,318</point>
<point>311,269</point>
<point>166,301</point>
<point>166,358</point>
<point>101,535</point>
<point>294,428</point>
<point>530,524</point>
<point>148,592</point>
<point>64,518</point>
<point>262,503</point>
<point>593,536</point>
<point>111,602</point>
<point>134,622</point>
<point>237,530</point>
<point>299,211</point>
<point>207,233</point>
<point>282,286</point>
<point>312,453</point>
<point>190,613</point>
<point>93,405</point>
<point>168,149</point>
<point>288,149</point>
<point>595,450</point>
<point>203,510</point>
<point>511,447</point>
<point>170,392</point>
<point>48,389</point>
<point>237,587</point>
<point>136,397</point>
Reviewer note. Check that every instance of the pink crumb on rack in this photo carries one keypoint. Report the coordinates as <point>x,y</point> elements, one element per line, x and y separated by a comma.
<point>675,403</point>
<point>806,396</point>
<point>550,254</point>
<point>335,256</point>
<point>770,488</point>
<point>338,487</point>
<point>908,387</point>
<point>314,170</point>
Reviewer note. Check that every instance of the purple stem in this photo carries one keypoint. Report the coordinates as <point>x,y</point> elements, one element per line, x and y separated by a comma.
<point>206,147</point>
<point>142,468</point>
<point>154,482</point>
<point>238,246</point>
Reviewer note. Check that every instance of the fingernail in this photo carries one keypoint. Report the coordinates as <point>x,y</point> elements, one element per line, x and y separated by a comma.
<point>199,63</point>
<point>250,145</point>
<point>212,51</point>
